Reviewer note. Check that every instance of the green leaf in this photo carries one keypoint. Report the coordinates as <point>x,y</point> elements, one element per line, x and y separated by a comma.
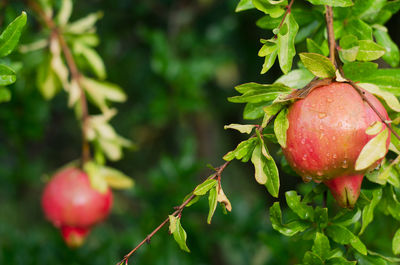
<point>392,55</point>
<point>254,111</point>
<point>307,30</point>
<point>389,203</point>
<point>374,128</point>
<point>272,110</point>
<point>318,65</point>
<point>342,235</point>
<point>204,187</point>
<point>347,218</point>
<point>298,78</point>
<point>369,260</point>
<point>212,202</point>
<point>259,93</point>
<point>349,47</point>
<point>341,3</point>
<point>368,211</point>
<point>313,47</point>
<point>115,178</point>
<point>5,94</point>
<point>374,150</point>
<point>84,25</point>
<point>269,61</point>
<point>244,5</point>
<point>266,172</point>
<point>65,12</point>
<point>367,72</point>
<point>388,97</point>
<point>248,128</point>
<point>289,229</point>
<point>386,258</point>
<point>281,125</point>
<point>269,46</point>
<point>97,180</point>
<point>193,201</point>
<point>339,261</point>
<point>258,160</point>
<point>321,217</point>
<point>180,236</point>
<point>359,28</point>
<point>100,92</point>
<point>302,210</point>
<point>92,58</point>
<point>311,258</point>
<point>369,50</point>
<point>7,75</point>
<point>367,10</point>
<point>321,245</point>
<point>243,151</point>
<point>273,10</point>
<point>286,49</point>
<point>267,22</point>
<point>10,36</point>
<point>172,223</point>
<point>396,243</point>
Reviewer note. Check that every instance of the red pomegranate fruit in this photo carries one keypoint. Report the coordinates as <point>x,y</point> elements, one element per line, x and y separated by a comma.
<point>327,133</point>
<point>72,205</point>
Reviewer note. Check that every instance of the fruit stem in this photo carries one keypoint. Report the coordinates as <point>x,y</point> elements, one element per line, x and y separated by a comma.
<point>75,75</point>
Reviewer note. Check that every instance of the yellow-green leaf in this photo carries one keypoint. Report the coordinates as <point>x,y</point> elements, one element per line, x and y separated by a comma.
<point>240,127</point>
<point>374,150</point>
<point>374,128</point>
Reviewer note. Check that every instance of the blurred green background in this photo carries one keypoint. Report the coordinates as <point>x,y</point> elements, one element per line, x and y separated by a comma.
<point>178,61</point>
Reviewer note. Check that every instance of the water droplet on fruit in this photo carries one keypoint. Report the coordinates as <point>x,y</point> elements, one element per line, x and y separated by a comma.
<point>303,141</point>
<point>304,157</point>
<point>321,135</point>
<point>328,154</point>
<point>321,115</point>
<point>334,156</point>
<point>345,164</point>
<point>329,100</point>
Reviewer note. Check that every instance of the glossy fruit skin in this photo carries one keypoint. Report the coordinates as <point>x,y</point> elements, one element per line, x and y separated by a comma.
<point>327,133</point>
<point>71,204</point>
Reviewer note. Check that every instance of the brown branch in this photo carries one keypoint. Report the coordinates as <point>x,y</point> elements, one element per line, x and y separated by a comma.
<point>331,34</point>
<point>216,175</point>
<point>75,75</point>
<point>288,10</point>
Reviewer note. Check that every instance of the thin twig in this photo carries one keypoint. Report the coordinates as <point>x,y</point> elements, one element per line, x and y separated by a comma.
<point>75,75</point>
<point>177,212</point>
<point>288,10</point>
<point>331,34</point>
